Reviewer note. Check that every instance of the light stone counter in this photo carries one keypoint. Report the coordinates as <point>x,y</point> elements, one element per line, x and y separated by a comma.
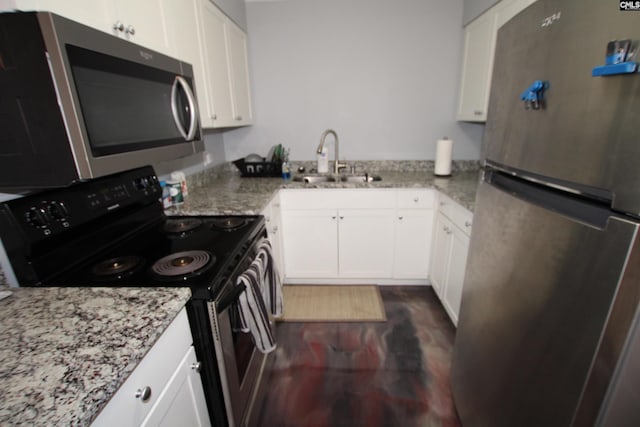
<point>226,193</point>
<point>66,351</point>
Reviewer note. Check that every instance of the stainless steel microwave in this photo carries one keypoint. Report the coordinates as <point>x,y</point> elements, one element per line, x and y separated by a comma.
<point>77,103</point>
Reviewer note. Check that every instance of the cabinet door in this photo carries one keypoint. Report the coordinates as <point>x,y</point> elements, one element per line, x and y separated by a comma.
<point>185,43</point>
<point>154,372</point>
<point>441,254</point>
<point>143,22</point>
<point>479,49</point>
<point>219,106</point>
<point>414,235</point>
<point>310,244</point>
<point>182,401</point>
<point>455,275</point>
<point>272,223</point>
<point>96,14</point>
<point>239,73</point>
<point>366,240</point>
<point>479,46</point>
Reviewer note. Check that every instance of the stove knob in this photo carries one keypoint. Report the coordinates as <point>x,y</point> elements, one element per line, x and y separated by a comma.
<point>58,211</point>
<point>37,217</point>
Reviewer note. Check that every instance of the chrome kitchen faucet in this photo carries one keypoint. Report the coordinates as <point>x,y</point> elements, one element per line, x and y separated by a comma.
<point>336,164</point>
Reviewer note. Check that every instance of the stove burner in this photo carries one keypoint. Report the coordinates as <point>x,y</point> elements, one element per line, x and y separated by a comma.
<point>229,223</point>
<point>183,263</point>
<point>117,267</point>
<point>181,225</point>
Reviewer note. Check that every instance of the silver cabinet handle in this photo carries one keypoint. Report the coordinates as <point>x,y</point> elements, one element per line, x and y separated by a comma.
<point>144,394</point>
<point>275,229</point>
<point>477,113</point>
<point>214,117</point>
<point>196,366</point>
<point>467,223</point>
<point>341,217</point>
<point>400,217</point>
<point>441,203</point>
<point>118,26</point>
<point>130,30</point>
<point>333,217</point>
<point>238,118</point>
<point>417,199</point>
<point>193,109</point>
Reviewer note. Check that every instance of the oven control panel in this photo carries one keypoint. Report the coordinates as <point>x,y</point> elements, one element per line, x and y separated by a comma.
<point>54,212</point>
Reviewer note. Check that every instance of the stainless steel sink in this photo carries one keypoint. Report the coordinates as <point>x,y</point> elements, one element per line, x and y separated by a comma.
<point>311,179</point>
<point>360,178</point>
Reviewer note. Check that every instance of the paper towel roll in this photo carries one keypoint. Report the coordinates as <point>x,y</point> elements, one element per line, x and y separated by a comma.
<point>444,148</point>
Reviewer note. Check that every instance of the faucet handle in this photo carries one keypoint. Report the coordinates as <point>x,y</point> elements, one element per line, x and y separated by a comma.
<point>339,166</point>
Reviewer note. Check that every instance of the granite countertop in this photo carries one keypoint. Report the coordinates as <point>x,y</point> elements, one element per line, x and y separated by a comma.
<point>228,194</point>
<point>66,351</point>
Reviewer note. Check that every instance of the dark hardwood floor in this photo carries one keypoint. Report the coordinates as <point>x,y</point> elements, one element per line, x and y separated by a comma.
<point>393,373</point>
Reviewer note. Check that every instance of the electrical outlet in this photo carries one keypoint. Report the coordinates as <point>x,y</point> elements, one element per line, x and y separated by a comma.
<point>206,158</point>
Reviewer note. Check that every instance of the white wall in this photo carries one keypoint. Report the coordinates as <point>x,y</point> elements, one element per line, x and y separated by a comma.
<point>213,155</point>
<point>383,73</point>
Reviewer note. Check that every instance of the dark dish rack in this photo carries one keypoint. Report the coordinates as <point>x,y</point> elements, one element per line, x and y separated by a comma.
<point>258,169</point>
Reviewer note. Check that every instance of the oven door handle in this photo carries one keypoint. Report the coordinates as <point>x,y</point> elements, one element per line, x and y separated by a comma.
<point>230,297</point>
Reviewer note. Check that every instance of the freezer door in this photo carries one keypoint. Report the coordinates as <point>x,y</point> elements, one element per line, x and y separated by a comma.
<point>537,295</point>
<point>587,129</point>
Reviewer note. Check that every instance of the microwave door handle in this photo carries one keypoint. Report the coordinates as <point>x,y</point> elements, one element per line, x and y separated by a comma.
<point>193,109</point>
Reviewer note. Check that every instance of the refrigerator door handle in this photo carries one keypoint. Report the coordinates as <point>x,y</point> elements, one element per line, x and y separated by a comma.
<point>575,206</point>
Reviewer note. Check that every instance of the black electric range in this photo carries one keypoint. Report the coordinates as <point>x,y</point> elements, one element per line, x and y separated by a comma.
<point>112,231</point>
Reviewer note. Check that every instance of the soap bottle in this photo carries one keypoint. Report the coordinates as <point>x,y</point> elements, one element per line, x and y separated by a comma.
<point>286,168</point>
<point>166,197</point>
<point>323,161</point>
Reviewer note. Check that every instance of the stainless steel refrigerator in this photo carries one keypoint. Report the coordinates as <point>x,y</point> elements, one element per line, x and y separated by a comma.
<point>548,325</point>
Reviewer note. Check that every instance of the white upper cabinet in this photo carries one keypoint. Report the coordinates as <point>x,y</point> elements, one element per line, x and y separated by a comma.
<point>142,22</point>
<point>224,51</point>
<point>217,108</point>
<point>479,44</point>
<point>195,31</point>
<point>477,61</point>
<point>239,73</point>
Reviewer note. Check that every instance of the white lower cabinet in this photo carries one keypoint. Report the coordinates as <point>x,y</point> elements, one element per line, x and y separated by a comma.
<point>450,249</point>
<point>165,388</point>
<point>372,236</point>
<point>310,243</point>
<point>414,228</point>
<point>182,401</point>
<point>272,217</point>
<point>365,243</point>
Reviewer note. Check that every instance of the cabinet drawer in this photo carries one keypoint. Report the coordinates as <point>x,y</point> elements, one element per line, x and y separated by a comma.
<point>154,371</point>
<point>338,199</point>
<point>419,199</point>
<point>460,216</point>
